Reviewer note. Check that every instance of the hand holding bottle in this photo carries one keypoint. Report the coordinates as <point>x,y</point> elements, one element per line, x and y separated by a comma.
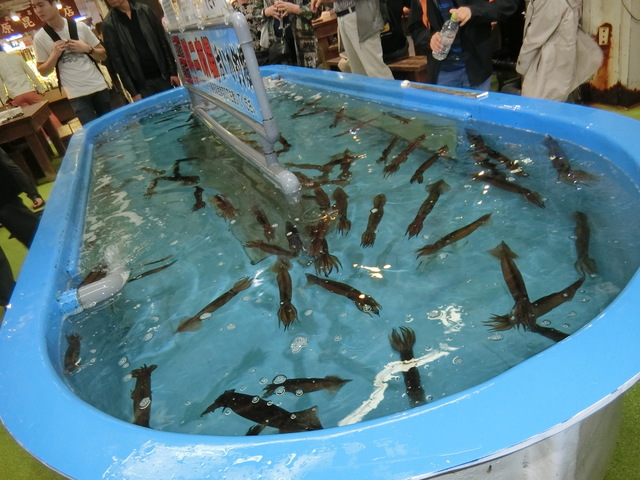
<point>463,14</point>
<point>441,41</point>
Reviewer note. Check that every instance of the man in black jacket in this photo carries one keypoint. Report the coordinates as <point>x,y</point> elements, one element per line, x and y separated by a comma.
<point>138,49</point>
<point>468,64</point>
<point>19,220</point>
<point>14,215</point>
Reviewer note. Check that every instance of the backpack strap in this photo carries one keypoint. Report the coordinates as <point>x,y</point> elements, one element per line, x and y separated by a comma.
<point>73,34</point>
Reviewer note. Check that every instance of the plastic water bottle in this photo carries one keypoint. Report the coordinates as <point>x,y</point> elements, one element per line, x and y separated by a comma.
<point>447,36</point>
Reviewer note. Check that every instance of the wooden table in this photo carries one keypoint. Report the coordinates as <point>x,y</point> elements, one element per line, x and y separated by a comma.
<point>31,127</point>
<point>413,68</point>
<point>326,34</point>
<point>60,105</point>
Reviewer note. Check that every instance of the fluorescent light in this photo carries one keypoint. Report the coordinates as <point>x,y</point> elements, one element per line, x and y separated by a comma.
<point>15,17</point>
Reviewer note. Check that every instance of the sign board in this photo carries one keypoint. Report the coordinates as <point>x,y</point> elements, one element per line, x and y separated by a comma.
<point>212,61</point>
<point>30,21</point>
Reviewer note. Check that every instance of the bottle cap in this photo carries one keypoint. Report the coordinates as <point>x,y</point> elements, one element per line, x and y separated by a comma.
<point>453,18</point>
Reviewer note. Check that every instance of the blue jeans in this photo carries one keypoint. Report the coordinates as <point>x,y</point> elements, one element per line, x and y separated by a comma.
<point>91,106</point>
<point>459,78</point>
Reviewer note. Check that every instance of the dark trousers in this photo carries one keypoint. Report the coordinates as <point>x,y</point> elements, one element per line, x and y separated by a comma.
<point>6,280</point>
<point>19,220</point>
<point>155,85</point>
<point>90,107</point>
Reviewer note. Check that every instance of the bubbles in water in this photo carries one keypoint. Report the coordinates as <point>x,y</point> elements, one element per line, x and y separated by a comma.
<point>279,379</point>
<point>566,325</point>
<point>242,388</point>
<point>187,403</point>
<point>255,399</point>
<point>231,326</point>
<point>122,361</point>
<point>204,316</point>
<point>227,411</point>
<point>127,377</point>
<point>344,314</point>
<point>298,344</point>
<point>337,338</point>
<point>293,416</point>
<point>572,314</point>
<point>263,380</point>
<point>144,403</point>
<point>457,360</point>
<point>545,323</point>
<point>148,337</point>
<point>280,390</point>
<point>308,313</point>
<point>495,337</point>
<point>252,370</point>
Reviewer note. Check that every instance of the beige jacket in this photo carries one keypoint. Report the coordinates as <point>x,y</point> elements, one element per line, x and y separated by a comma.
<point>556,55</point>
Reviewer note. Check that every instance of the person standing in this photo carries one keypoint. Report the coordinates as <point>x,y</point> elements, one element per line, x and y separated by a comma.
<point>72,50</point>
<point>288,22</point>
<point>14,215</point>
<point>138,49</point>
<point>21,222</point>
<point>19,85</point>
<point>7,283</point>
<point>359,26</point>
<point>247,8</point>
<point>468,64</point>
<point>556,55</point>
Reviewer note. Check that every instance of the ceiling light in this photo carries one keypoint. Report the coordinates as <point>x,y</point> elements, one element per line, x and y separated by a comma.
<point>15,17</point>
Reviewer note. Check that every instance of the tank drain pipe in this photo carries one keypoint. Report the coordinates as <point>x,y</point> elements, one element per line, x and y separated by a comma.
<point>88,296</point>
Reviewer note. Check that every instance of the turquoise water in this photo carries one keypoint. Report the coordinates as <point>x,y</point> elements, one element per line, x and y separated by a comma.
<point>446,298</point>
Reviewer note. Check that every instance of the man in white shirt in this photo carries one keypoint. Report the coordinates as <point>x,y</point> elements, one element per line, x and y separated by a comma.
<point>74,59</point>
<point>19,85</point>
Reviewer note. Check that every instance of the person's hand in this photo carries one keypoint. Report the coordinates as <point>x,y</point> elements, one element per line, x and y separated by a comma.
<point>436,42</point>
<point>59,47</point>
<point>78,46</point>
<point>286,8</point>
<point>272,11</point>
<point>315,4</point>
<point>137,97</point>
<point>175,80</point>
<point>463,14</point>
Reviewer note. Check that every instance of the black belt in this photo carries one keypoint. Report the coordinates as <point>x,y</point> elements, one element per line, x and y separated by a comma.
<point>346,11</point>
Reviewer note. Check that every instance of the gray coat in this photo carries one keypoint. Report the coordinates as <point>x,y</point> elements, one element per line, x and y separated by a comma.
<point>556,55</point>
<point>369,18</point>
